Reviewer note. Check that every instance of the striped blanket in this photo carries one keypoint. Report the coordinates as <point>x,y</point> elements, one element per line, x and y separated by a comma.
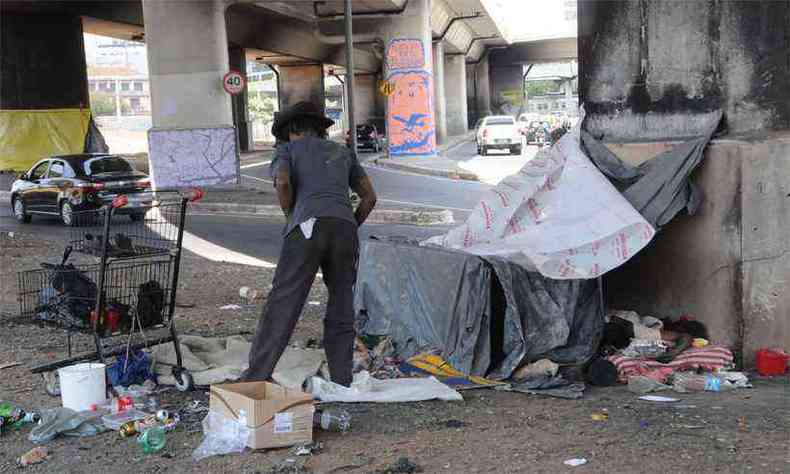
<point>707,358</point>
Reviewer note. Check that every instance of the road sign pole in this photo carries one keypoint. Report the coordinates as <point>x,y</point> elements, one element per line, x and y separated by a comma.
<point>352,121</point>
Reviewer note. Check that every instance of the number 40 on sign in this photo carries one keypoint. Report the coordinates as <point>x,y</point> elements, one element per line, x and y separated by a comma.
<point>233,82</point>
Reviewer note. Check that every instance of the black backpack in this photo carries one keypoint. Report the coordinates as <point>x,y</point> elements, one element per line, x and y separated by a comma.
<point>150,304</point>
<point>78,290</point>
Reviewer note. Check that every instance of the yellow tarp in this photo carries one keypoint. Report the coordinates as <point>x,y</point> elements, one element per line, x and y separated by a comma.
<point>27,136</point>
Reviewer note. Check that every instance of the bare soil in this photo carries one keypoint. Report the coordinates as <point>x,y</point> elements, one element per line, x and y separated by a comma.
<point>491,431</point>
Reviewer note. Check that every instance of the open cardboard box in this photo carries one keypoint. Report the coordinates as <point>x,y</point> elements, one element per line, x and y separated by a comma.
<point>277,417</point>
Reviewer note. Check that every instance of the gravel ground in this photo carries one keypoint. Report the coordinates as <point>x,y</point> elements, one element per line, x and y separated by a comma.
<point>491,431</point>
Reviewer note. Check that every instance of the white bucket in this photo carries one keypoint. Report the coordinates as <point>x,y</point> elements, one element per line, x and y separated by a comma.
<point>83,385</point>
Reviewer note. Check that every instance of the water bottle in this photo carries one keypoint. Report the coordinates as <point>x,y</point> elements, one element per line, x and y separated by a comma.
<point>152,440</point>
<point>332,419</point>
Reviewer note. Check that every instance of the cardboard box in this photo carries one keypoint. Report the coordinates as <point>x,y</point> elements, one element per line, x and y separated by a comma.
<point>278,417</point>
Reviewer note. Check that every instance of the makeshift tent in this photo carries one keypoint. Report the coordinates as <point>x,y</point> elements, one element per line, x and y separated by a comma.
<point>30,135</point>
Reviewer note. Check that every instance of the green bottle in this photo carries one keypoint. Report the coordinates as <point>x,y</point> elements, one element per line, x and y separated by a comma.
<point>152,440</point>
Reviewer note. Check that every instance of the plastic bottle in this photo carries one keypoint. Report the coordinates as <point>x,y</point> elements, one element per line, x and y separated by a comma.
<point>332,419</point>
<point>688,382</point>
<point>152,440</point>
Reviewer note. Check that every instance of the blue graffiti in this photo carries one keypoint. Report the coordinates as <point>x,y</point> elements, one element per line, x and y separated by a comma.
<point>415,120</point>
<point>408,145</point>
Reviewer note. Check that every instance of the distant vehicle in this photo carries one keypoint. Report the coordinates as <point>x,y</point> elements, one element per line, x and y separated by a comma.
<point>498,132</point>
<point>65,185</point>
<point>367,137</point>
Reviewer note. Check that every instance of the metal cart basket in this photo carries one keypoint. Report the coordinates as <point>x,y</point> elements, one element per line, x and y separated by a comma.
<point>131,288</point>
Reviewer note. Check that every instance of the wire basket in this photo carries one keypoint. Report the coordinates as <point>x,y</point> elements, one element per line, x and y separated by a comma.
<point>145,232</point>
<point>136,296</point>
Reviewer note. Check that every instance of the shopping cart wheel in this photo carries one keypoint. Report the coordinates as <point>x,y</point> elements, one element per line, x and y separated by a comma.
<point>51,383</point>
<point>184,381</point>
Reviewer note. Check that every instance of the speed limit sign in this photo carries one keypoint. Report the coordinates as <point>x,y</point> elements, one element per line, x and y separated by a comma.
<point>233,82</point>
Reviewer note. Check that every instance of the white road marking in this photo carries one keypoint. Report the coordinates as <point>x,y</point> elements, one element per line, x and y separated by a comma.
<point>433,206</point>
<point>257,179</point>
<point>254,165</point>
<point>202,247</point>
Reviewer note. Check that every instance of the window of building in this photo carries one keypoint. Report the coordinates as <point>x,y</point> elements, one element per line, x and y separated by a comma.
<point>125,86</point>
<point>110,86</point>
<point>134,103</point>
<point>138,86</point>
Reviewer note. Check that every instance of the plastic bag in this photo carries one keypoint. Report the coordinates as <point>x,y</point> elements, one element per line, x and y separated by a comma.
<point>222,435</point>
<point>640,384</point>
<point>365,388</point>
<point>67,422</point>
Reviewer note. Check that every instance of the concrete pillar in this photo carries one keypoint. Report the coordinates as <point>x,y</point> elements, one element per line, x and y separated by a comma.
<point>455,94</point>
<point>507,90</point>
<point>193,140</point>
<point>302,83</point>
<point>438,92</point>
<point>239,102</point>
<point>483,83</point>
<point>365,97</point>
<point>411,125</point>
<point>186,70</point>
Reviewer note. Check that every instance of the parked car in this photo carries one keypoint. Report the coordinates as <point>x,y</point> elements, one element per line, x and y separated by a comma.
<point>367,137</point>
<point>65,185</point>
<point>498,132</point>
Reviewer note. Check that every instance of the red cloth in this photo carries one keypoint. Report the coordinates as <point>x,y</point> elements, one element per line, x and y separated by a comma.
<point>707,358</point>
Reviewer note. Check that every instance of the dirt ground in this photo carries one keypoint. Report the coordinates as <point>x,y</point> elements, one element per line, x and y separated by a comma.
<point>490,431</point>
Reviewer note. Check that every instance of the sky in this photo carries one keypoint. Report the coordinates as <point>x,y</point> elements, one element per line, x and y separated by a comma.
<point>529,20</point>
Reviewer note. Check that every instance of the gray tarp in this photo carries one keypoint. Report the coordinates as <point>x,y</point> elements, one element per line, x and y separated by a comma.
<point>483,316</point>
<point>660,187</point>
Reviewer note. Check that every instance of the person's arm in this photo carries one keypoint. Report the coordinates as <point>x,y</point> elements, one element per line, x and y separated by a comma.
<point>367,199</point>
<point>283,180</point>
<point>361,184</point>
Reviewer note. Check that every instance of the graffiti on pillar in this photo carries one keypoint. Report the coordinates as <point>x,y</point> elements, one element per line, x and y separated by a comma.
<point>410,119</point>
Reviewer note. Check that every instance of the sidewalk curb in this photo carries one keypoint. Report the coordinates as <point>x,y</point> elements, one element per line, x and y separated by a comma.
<point>5,198</point>
<point>386,216</point>
<point>451,174</point>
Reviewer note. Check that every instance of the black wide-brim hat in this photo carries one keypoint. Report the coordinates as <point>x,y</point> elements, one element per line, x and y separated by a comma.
<point>300,109</point>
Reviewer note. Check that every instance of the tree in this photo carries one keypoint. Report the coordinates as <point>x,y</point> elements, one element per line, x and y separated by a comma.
<point>102,103</point>
<point>261,108</point>
<point>538,88</point>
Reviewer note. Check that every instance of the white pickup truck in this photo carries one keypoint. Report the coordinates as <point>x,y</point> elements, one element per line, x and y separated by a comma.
<point>498,132</point>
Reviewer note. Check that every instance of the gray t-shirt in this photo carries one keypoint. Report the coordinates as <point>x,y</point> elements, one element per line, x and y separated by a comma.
<point>322,171</point>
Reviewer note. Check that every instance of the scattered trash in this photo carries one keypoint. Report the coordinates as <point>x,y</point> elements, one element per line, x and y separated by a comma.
<point>690,382</point>
<point>9,365</point>
<point>34,456</point>
<point>541,367</point>
<point>770,362</point>
<point>132,370</point>
<point>13,417</point>
<point>250,295</point>
<point>83,385</point>
<point>658,398</point>
<point>314,303</point>
<point>601,373</point>
<point>115,421</point>
<point>332,419</point>
<point>231,307</point>
<point>402,466</point>
<point>67,422</point>
<point>365,388</point>
<point>222,435</point>
<point>307,449</point>
<point>152,440</point>
<point>743,427</point>
<point>641,384</point>
<point>575,462</point>
<point>600,416</point>
<point>643,424</point>
<point>737,379</point>
<point>454,424</point>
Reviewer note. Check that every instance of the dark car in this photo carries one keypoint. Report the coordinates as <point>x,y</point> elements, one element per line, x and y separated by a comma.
<point>367,137</point>
<point>65,185</point>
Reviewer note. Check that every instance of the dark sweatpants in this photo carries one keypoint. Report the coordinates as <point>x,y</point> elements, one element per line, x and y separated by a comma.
<point>333,247</point>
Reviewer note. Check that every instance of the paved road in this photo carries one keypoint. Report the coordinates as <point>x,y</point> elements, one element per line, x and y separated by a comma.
<point>254,236</point>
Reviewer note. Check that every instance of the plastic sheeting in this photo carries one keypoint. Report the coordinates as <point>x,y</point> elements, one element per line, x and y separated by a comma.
<point>660,187</point>
<point>558,216</point>
<point>484,316</point>
<point>30,135</point>
<point>365,388</point>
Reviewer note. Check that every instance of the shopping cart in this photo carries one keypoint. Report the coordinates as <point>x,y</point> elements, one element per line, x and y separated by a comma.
<point>130,290</point>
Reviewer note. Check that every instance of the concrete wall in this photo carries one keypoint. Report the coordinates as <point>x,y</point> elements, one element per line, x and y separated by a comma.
<point>439,98</point>
<point>302,83</point>
<point>366,104</point>
<point>241,114</point>
<point>656,69</point>
<point>478,90</point>
<point>42,62</point>
<point>728,266</point>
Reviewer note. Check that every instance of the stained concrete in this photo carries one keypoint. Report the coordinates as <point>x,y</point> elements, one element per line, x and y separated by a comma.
<point>507,89</point>
<point>439,98</point>
<point>455,94</point>
<point>729,265</point>
<point>302,83</point>
<point>656,69</point>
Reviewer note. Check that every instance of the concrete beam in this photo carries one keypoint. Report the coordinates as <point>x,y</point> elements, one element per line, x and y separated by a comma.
<point>439,97</point>
<point>302,83</point>
<point>455,93</point>
<point>535,52</point>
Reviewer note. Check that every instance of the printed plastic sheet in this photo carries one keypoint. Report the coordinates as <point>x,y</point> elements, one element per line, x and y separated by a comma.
<point>558,216</point>
<point>30,135</point>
